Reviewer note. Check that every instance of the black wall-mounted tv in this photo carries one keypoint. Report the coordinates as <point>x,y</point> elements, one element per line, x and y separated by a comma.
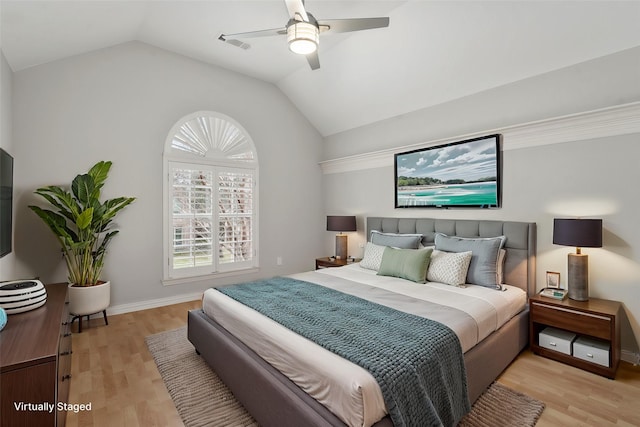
<point>6,202</point>
<point>464,174</point>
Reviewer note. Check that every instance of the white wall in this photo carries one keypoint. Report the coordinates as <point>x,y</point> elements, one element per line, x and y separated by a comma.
<point>602,82</point>
<point>119,104</point>
<point>592,178</point>
<point>7,262</point>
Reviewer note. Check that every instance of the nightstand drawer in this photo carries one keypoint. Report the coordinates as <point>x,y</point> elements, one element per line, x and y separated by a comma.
<point>577,321</point>
<point>591,350</point>
<point>556,339</point>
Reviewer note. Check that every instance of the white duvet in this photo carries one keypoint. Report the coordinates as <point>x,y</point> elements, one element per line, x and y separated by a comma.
<point>348,390</point>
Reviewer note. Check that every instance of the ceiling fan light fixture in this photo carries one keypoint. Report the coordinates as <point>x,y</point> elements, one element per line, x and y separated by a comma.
<point>303,37</point>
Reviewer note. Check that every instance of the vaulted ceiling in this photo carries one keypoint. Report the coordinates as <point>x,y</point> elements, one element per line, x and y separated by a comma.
<point>432,52</point>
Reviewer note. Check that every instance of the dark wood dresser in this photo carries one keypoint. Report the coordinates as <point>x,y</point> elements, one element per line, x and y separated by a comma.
<point>35,362</point>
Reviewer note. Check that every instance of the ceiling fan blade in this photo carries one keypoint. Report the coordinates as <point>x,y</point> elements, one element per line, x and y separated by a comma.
<point>251,34</point>
<point>313,60</point>
<point>296,10</point>
<point>354,24</point>
<point>237,43</point>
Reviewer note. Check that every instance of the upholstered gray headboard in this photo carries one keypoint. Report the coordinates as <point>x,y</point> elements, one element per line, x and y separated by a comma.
<point>520,262</point>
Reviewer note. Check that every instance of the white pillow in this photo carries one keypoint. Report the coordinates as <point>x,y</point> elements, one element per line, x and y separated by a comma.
<point>372,256</point>
<point>449,267</point>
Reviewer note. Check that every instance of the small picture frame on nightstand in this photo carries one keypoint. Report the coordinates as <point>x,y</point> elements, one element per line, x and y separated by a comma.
<point>553,279</point>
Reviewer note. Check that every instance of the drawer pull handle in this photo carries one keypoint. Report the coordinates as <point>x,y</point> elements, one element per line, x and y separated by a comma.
<point>590,355</point>
<point>66,377</point>
<point>68,334</point>
<point>552,344</point>
<point>66,353</point>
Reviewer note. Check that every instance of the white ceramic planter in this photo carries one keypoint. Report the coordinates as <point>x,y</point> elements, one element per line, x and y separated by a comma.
<point>85,300</point>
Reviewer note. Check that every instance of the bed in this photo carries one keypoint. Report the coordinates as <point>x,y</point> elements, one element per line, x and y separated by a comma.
<point>273,399</point>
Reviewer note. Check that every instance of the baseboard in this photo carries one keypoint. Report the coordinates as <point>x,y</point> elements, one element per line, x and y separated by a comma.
<point>630,356</point>
<point>154,303</point>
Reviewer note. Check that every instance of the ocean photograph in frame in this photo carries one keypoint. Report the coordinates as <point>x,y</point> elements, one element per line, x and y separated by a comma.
<point>464,174</point>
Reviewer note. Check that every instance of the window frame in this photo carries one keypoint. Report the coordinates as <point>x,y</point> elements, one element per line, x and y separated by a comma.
<point>215,161</point>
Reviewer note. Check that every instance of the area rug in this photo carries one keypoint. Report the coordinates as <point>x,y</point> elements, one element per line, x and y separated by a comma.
<point>199,395</point>
<point>502,406</point>
<point>203,400</point>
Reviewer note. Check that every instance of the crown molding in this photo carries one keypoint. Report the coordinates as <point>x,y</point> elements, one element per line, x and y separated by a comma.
<point>611,121</point>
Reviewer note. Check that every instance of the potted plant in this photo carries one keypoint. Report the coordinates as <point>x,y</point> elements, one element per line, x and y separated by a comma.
<point>83,226</point>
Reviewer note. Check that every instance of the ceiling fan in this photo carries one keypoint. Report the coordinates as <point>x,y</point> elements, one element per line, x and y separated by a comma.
<point>303,31</point>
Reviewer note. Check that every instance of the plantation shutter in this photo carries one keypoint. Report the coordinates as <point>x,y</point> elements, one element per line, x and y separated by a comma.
<point>192,219</point>
<point>235,216</point>
<point>212,219</point>
<point>210,198</point>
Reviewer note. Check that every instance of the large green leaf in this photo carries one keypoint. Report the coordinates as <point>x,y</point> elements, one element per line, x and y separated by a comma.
<point>52,219</point>
<point>99,172</point>
<point>61,199</point>
<point>111,208</point>
<point>84,219</point>
<point>83,187</point>
<point>56,223</point>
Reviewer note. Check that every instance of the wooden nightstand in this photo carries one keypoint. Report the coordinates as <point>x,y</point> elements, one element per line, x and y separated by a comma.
<point>327,262</point>
<point>595,318</point>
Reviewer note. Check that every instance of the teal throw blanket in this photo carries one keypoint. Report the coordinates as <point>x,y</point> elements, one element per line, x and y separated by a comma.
<point>417,362</point>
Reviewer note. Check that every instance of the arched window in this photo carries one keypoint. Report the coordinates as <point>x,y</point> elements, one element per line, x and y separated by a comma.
<point>210,198</point>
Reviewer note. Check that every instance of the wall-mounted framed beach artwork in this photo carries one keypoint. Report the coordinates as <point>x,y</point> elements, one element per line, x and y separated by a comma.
<point>463,174</point>
<point>553,279</point>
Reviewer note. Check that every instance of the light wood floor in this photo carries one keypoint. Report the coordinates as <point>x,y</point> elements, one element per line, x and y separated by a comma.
<point>113,370</point>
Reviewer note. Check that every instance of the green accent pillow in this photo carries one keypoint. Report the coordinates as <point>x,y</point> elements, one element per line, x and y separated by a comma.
<point>410,264</point>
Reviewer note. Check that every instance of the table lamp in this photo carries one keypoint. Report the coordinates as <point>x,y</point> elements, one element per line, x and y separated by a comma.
<point>341,224</point>
<point>581,233</point>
